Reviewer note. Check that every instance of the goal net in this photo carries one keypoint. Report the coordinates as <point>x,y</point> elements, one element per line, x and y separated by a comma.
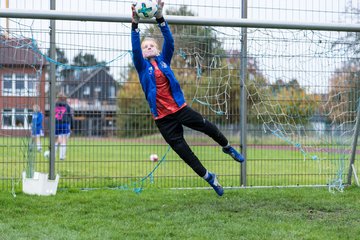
<point>302,96</point>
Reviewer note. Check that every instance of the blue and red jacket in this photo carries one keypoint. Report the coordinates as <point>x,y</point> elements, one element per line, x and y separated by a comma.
<point>146,71</point>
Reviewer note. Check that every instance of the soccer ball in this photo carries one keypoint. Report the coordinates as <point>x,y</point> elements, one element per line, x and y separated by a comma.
<point>47,154</point>
<point>146,8</point>
<point>154,157</point>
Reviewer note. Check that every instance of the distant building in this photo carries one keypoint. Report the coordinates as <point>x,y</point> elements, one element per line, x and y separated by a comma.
<point>92,96</point>
<point>22,84</point>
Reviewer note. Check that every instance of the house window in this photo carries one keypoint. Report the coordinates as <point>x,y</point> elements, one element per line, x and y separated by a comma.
<point>19,118</point>
<point>16,119</point>
<point>7,84</point>
<point>97,89</point>
<point>86,90</point>
<point>112,92</point>
<point>32,84</point>
<point>29,117</point>
<point>6,118</point>
<point>20,85</point>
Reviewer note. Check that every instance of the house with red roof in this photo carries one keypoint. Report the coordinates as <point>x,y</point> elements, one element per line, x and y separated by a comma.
<point>22,84</point>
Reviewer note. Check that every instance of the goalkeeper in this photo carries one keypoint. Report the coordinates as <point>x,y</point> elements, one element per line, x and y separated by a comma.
<point>166,99</point>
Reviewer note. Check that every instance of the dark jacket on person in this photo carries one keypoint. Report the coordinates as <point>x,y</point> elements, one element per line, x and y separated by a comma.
<point>63,113</point>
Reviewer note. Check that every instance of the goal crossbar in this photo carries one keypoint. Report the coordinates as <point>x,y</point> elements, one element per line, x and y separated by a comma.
<point>183,20</point>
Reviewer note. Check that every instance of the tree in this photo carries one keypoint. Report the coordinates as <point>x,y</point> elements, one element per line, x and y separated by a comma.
<point>83,60</point>
<point>60,59</point>
<point>350,42</point>
<point>134,118</point>
<point>344,94</point>
<point>344,91</point>
<point>60,56</point>
<point>66,70</point>
<point>291,104</point>
<point>88,60</point>
<point>256,87</point>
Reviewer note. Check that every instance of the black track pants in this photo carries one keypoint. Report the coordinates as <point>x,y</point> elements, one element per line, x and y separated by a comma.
<point>171,128</point>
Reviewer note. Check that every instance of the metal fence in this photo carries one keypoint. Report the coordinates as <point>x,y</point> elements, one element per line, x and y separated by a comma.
<point>301,85</point>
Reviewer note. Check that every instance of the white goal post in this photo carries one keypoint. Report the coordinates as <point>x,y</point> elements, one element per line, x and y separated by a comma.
<point>184,20</point>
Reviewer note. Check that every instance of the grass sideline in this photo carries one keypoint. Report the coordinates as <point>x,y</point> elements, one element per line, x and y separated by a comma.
<point>273,213</point>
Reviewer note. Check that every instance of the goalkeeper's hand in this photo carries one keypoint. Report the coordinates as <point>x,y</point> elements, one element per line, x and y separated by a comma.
<point>159,13</point>
<point>135,17</point>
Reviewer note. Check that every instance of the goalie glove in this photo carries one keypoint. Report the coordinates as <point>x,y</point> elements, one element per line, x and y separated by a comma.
<point>135,17</point>
<point>159,13</point>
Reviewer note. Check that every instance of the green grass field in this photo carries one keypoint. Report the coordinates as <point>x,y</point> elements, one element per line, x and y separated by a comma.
<point>106,162</point>
<point>162,212</point>
<point>273,213</point>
